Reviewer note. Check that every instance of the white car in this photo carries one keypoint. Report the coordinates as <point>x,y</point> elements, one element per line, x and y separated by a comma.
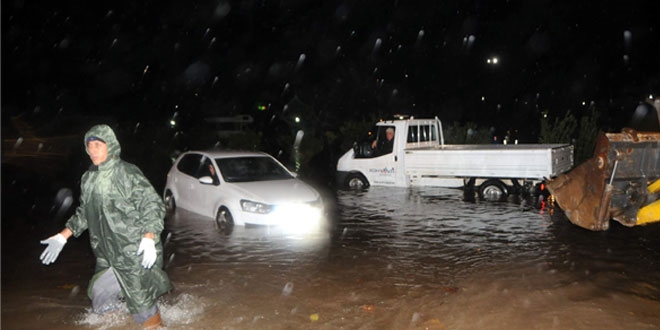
<point>242,188</point>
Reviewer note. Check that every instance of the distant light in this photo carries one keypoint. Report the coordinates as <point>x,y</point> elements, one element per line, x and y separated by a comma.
<point>545,115</point>
<point>584,103</point>
<point>650,96</point>
<point>172,123</point>
<point>483,98</point>
<point>493,60</point>
<point>297,119</point>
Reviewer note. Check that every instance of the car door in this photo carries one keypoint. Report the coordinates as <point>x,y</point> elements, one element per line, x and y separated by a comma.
<point>204,195</point>
<point>186,180</point>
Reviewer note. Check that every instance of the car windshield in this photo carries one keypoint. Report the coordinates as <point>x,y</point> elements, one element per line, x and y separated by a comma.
<point>246,169</point>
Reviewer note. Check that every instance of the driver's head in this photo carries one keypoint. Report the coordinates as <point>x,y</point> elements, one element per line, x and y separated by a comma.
<point>389,133</point>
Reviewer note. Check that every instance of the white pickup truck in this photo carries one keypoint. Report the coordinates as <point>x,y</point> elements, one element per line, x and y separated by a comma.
<point>418,156</point>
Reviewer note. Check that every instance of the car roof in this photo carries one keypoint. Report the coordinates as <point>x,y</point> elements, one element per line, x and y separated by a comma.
<point>227,153</point>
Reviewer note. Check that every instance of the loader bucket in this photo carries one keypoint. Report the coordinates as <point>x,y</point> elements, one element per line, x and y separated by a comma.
<point>620,182</point>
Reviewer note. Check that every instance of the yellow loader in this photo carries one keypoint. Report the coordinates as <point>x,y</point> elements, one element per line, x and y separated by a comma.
<point>621,182</point>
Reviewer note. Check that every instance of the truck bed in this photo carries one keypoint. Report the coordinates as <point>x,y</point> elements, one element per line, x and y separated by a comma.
<point>519,161</point>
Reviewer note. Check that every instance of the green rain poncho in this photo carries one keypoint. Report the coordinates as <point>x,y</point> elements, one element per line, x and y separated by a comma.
<point>118,206</point>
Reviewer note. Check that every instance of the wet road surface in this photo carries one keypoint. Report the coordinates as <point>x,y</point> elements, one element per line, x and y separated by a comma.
<point>391,259</point>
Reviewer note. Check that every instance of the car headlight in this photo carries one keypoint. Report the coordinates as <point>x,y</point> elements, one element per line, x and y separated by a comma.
<point>255,207</point>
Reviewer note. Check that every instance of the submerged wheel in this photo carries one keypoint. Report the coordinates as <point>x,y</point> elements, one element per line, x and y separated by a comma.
<point>224,220</point>
<point>356,181</point>
<point>170,203</point>
<point>493,191</point>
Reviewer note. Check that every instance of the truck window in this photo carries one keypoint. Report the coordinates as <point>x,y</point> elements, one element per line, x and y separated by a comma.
<point>424,134</point>
<point>412,134</point>
<point>384,142</point>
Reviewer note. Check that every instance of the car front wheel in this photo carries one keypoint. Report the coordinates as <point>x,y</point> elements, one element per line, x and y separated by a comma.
<point>224,220</point>
<point>170,204</point>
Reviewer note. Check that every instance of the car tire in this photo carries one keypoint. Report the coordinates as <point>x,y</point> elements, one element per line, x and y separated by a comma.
<point>356,181</point>
<point>224,220</point>
<point>170,203</point>
<point>493,190</point>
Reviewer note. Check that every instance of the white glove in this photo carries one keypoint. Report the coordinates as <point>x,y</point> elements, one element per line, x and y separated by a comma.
<point>55,244</point>
<point>148,247</point>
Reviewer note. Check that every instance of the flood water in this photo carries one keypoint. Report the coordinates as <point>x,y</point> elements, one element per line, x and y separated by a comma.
<point>390,259</point>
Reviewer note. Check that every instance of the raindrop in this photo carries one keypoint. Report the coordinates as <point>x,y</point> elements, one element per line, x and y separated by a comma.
<point>114,42</point>
<point>301,60</point>
<point>215,81</point>
<point>63,201</point>
<point>18,143</point>
<point>74,291</point>
<point>109,13</point>
<point>222,9</point>
<point>177,46</point>
<point>626,59</point>
<point>627,39</point>
<point>36,110</point>
<point>395,92</point>
<point>288,289</point>
<point>420,35</point>
<point>169,260</point>
<point>285,108</point>
<point>146,68</point>
<point>40,146</point>
<point>377,45</point>
<point>337,50</point>
<point>286,87</point>
<point>136,127</point>
<point>212,42</point>
<point>64,43</point>
<point>206,32</point>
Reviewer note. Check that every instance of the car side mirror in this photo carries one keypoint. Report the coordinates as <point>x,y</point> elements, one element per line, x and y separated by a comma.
<point>206,180</point>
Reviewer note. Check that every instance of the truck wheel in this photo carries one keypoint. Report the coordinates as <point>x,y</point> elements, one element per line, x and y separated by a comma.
<point>356,181</point>
<point>493,190</point>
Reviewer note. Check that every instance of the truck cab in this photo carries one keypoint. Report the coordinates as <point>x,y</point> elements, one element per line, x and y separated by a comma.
<point>379,159</point>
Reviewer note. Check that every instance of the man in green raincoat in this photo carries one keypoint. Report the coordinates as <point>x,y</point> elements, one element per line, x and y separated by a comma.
<point>124,216</point>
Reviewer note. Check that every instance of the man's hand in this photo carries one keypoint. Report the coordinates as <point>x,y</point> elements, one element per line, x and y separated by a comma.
<point>148,247</point>
<point>55,244</point>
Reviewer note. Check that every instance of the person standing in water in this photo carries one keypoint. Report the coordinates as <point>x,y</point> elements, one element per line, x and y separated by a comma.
<point>124,216</point>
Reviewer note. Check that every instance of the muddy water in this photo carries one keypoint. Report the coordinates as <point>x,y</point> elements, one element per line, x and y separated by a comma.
<point>391,259</point>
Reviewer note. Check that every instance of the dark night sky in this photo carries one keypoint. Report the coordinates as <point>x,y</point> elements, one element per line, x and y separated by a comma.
<point>330,60</point>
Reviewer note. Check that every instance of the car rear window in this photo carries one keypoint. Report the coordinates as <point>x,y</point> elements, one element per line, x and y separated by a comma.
<point>246,169</point>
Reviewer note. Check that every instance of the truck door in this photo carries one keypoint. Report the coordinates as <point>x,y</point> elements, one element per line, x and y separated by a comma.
<point>383,168</point>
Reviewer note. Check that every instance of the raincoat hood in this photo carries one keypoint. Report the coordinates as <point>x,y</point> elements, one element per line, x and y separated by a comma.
<point>105,133</point>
